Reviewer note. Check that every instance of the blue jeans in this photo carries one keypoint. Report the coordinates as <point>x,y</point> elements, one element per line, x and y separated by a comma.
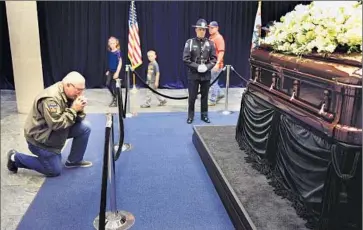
<point>50,163</point>
<point>215,90</point>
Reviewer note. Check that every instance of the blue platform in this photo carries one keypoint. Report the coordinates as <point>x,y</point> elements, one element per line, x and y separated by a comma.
<point>161,181</point>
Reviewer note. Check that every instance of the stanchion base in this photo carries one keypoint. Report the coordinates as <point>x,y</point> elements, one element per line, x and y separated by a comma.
<point>134,90</point>
<point>226,112</point>
<point>125,147</point>
<point>129,115</point>
<point>116,221</point>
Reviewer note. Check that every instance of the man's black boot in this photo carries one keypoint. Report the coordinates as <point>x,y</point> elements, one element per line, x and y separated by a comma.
<point>11,164</point>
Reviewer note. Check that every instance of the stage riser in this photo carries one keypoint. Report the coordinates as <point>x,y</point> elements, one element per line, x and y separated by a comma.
<point>225,191</point>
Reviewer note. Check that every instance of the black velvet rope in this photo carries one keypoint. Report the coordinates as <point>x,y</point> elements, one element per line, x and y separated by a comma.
<point>120,103</point>
<point>103,203</point>
<point>121,115</point>
<point>127,89</point>
<point>238,75</point>
<point>170,97</point>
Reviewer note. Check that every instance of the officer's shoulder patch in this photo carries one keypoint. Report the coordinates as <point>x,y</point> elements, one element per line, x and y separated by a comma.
<point>187,43</point>
<point>52,106</point>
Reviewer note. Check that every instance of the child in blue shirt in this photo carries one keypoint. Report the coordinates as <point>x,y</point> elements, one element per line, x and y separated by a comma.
<point>114,68</point>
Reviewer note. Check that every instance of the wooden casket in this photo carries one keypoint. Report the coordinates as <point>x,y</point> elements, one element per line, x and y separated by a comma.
<point>301,125</point>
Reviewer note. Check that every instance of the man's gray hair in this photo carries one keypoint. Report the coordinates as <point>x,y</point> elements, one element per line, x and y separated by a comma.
<point>74,78</point>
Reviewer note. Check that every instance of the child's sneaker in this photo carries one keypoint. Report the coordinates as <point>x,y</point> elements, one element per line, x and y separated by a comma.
<point>162,103</point>
<point>220,97</point>
<point>212,103</point>
<point>113,103</point>
<point>145,106</point>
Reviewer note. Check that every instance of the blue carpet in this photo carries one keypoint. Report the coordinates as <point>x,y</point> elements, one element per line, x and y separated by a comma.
<point>161,181</point>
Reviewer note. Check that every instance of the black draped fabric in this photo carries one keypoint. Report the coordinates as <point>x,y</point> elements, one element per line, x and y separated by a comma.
<point>74,36</point>
<point>321,178</point>
<point>342,206</point>
<point>303,159</point>
<point>255,124</point>
<point>260,132</point>
<point>6,65</point>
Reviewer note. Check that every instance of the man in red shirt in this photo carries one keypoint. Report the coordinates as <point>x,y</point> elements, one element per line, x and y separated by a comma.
<point>215,91</point>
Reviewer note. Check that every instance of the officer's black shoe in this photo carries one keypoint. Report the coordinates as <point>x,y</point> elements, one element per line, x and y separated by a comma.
<point>205,119</point>
<point>11,164</point>
<point>189,120</point>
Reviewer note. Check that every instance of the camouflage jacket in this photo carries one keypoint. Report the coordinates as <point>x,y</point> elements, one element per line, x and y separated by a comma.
<point>48,122</point>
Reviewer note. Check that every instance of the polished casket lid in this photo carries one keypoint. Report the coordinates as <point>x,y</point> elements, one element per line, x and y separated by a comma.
<point>342,68</point>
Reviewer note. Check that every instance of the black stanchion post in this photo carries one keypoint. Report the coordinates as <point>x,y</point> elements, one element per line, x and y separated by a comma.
<point>111,176</point>
<point>115,219</point>
<point>125,146</point>
<point>128,77</point>
<point>102,217</point>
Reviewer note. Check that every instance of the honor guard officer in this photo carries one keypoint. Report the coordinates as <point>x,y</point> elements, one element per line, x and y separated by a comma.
<point>200,57</point>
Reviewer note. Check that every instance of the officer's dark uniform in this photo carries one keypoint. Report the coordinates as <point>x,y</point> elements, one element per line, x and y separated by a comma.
<point>196,52</point>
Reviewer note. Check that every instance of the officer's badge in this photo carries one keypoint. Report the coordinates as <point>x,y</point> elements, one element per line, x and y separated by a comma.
<point>52,107</point>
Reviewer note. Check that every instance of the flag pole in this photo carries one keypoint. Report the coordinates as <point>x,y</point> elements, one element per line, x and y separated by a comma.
<point>134,46</point>
<point>257,27</point>
<point>134,89</point>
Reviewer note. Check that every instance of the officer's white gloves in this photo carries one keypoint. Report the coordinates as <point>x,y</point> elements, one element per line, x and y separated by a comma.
<point>202,68</point>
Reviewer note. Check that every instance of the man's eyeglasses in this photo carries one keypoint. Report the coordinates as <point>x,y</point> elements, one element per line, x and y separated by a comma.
<point>79,89</point>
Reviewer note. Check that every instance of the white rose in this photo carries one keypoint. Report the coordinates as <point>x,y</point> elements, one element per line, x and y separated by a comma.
<point>322,25</point>
<point>340,19</point>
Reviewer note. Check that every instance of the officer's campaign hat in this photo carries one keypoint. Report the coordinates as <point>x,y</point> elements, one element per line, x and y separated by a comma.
<point>201,23</point>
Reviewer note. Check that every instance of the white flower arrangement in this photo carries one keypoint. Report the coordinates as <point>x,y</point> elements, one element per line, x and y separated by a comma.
<point>321,26</point>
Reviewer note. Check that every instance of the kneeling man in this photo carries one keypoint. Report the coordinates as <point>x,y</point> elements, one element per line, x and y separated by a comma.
<point>57,114</point>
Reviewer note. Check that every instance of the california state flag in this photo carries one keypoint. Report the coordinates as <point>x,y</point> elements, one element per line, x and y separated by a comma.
<point>257,27</point>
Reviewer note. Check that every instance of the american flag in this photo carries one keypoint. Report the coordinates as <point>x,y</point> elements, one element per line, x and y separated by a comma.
<point>134,48</point>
